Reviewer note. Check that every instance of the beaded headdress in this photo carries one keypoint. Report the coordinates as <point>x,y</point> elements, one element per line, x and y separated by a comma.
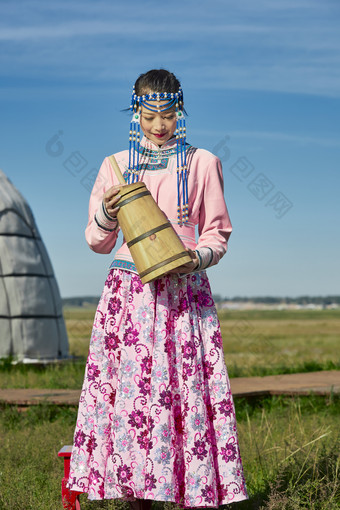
<point>165,101</point>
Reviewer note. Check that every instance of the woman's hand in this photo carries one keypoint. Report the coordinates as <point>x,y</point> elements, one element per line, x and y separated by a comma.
<point>110,200</point>
<point>189,267</point>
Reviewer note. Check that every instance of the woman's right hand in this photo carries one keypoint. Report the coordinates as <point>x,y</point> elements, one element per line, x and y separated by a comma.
<point>110,200</point>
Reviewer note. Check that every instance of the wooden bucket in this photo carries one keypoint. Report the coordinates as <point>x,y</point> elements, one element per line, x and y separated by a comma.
<point>154,245</point>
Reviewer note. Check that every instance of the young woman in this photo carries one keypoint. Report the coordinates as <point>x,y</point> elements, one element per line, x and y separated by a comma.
<point>156,418</point>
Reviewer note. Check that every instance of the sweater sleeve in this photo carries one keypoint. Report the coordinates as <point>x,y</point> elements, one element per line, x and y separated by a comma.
<point>214,227</point>
<point>101,233</point>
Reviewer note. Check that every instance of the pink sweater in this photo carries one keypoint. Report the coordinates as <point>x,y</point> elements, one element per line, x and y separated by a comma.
<point>207,208</point>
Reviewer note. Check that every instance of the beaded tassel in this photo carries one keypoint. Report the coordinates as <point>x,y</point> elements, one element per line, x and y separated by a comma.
<point>182,174</point>
<point>134,144</point>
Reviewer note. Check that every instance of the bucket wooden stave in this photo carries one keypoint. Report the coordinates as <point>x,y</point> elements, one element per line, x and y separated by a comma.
<point>154,245</point>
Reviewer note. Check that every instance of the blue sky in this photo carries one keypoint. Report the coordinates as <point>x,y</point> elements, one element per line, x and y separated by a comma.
<point>261,85</point>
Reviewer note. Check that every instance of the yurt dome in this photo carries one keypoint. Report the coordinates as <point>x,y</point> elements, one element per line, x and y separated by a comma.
<point>32,326</point>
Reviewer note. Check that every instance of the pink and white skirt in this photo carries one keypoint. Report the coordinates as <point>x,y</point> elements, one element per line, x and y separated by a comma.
<point>156,417</point>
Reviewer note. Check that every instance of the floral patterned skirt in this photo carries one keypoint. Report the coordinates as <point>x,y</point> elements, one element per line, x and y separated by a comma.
<point>156,418</point>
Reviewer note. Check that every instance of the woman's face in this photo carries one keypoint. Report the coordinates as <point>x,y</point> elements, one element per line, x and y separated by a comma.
<point>158,127</point>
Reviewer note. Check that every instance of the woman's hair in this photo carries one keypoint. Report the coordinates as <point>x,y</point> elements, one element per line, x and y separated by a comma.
<point>156,80</point>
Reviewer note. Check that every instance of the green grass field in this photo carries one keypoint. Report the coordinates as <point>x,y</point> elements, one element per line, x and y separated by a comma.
<point>255,343</point>
<point>290,446</point>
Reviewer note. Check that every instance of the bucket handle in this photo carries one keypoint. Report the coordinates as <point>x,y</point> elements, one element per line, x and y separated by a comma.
<point>116,169</point>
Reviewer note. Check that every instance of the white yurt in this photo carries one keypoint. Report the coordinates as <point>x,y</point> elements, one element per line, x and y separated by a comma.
<point>32,326</point>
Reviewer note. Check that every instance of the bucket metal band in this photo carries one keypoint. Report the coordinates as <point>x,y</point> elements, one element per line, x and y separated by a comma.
<point>160,264</point>
<point>147,234</point>
<point>131,199</point>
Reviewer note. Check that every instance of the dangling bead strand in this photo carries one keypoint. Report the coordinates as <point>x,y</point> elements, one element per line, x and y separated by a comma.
<point>179,218</point>
<point>134,145</point>
<point>181,162</point>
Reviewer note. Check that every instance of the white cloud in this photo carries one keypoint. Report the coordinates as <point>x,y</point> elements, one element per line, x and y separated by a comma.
<point>291,137</point>
<point>287,137</point>
<point>281,46</point>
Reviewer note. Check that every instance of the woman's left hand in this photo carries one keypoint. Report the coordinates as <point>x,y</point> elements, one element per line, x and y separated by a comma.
<point>189,267</point>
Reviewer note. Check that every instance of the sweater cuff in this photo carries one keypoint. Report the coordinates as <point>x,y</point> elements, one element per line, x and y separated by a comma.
<point>105,221</point>
<point>205,257</point>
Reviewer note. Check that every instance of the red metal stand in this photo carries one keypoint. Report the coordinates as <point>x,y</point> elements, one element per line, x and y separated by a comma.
<point>70,499</point>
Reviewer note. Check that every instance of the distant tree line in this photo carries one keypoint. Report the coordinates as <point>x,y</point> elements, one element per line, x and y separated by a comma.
<point>301,300</point>
<point>83,301</point>
<point>80,301</point>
